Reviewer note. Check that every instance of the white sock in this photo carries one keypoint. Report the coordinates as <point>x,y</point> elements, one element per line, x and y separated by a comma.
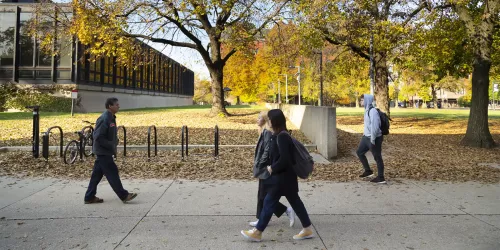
<point>288,210</point>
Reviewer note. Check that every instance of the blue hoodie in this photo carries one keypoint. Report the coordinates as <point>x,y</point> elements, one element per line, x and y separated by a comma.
<point>372,121</point>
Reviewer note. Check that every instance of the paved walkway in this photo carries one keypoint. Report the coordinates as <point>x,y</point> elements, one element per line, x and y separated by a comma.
<point>180,214</point>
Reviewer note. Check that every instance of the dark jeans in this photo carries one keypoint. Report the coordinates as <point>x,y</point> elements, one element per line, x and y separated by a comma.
<point>280,208</point>
<point>105,165</point>
<point>270,203</point>
<point>376,150</point>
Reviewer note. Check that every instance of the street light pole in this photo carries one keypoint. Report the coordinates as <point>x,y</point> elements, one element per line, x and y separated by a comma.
<point>298,80</point>
<point>320,78</point>
<point>279,91</point>
<point>286,87</point>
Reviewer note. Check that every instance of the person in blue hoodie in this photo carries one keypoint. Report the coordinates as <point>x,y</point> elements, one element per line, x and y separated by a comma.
<point>372,140</point>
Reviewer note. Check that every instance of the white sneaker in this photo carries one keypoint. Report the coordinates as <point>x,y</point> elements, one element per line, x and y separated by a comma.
<point>253,223</point>
<point>291,216</point>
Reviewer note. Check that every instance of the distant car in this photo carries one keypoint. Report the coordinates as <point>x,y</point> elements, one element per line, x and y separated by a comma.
<point>431,105</point>
<point>226,103</point>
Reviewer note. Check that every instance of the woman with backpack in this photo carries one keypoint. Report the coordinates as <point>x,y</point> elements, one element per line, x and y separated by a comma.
<point>261,161</point>
<point>281,182</point>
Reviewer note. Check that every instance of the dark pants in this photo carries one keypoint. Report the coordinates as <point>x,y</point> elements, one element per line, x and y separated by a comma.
<point>280,208</point>
<point>376,150</point>
<point>270,203</point>
<point>105,165</point>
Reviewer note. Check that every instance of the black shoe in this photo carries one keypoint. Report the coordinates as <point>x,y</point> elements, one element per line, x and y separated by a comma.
<point>366,174</point>
<point>129,197</point>
<point>379,180</point>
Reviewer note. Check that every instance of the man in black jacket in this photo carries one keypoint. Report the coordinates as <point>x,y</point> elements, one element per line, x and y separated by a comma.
<point>104,147</point>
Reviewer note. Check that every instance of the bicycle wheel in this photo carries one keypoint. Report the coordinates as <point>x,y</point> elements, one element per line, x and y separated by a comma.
<point>87,145</point>
<point>87,134</point>
<point>71,152</point>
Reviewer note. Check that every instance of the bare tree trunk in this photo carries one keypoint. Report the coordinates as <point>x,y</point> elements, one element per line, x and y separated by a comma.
<point>357,100</point>
<point>478,133</point>
<point>481,34</point>
<point>217,76</point>
<point>382,83</point>
<point>434,96</point>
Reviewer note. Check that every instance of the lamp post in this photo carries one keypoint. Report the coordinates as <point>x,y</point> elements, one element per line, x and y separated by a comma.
<point>279,91</point>
<point>286,87</point>
<point>298,79</point>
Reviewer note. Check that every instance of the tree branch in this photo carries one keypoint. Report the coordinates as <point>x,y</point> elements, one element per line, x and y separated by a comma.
<point>229,55</point>
<point>275,13</point>
<point>243,14</point>
<point>355,48</point>
<point>422,6</point>
<point>128,13</point>
<point>162,40</point>
<point>203,18</point>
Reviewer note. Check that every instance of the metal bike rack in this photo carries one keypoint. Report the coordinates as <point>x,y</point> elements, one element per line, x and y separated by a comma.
<point>216,142</point>
<point>45,143</point>
<point>149,141</point>
<point>35,141</point>
<point>184,139</point>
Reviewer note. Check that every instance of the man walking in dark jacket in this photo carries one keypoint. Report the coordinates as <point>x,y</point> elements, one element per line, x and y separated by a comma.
<point>104,147</point>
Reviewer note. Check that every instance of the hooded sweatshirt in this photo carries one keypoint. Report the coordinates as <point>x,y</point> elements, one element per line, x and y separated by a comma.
<point>372,120</point>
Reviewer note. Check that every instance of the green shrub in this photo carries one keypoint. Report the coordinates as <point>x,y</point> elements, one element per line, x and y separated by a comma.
<point>463,102</point>
<point>18,98</point>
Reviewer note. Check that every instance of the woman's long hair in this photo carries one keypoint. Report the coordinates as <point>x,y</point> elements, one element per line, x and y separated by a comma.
<point>278,120</point>
<point>264,116</point>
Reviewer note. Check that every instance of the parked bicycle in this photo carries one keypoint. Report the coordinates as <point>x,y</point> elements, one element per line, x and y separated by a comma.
<point>81,147</point>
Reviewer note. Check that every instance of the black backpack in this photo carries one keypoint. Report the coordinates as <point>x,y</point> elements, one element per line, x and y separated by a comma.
<point>303,164</point>
<point>384,121</point>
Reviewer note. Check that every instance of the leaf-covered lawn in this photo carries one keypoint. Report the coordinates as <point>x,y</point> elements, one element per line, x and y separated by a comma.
<point>239,129</point>
<point>425,146</point>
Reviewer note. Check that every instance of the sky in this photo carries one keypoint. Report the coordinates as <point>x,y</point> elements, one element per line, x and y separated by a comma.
<point>185,56</point>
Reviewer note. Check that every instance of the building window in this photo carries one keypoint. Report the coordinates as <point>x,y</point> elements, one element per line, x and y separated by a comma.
<point>26,42</point>
<point>7,29</point>
<point>108,70</point>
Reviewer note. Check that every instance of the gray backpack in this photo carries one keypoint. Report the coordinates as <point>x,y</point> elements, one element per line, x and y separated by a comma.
<point>303,164</point>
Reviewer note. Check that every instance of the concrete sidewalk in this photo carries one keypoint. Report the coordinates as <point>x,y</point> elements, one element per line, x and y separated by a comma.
<point>180,214</point>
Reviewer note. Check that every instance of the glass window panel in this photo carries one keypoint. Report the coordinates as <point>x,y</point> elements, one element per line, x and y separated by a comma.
<point>64,53</point>
<point>7,29</point>
<point>5,73</point>
<point>26,74</point>
<point>43,74</point>
<point>64,74</point>
<point>26,42</point>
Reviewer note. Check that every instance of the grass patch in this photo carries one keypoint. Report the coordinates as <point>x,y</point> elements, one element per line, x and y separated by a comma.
<point>442,114</point>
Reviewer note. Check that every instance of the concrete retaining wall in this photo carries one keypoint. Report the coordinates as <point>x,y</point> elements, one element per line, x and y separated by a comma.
<point>319,124</point>
<point>92,99</point>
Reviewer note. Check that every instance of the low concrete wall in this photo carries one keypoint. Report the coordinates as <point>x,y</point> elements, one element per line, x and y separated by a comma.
<point>93,99</point>
<point>319,124</point>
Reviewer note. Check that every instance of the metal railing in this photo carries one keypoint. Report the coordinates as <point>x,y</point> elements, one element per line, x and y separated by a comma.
<point>149,141</point>
<point>184,139</point>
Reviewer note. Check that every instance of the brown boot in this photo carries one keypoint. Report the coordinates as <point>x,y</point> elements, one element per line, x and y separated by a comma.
<point>130,197</point>
<point>94,200</point>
